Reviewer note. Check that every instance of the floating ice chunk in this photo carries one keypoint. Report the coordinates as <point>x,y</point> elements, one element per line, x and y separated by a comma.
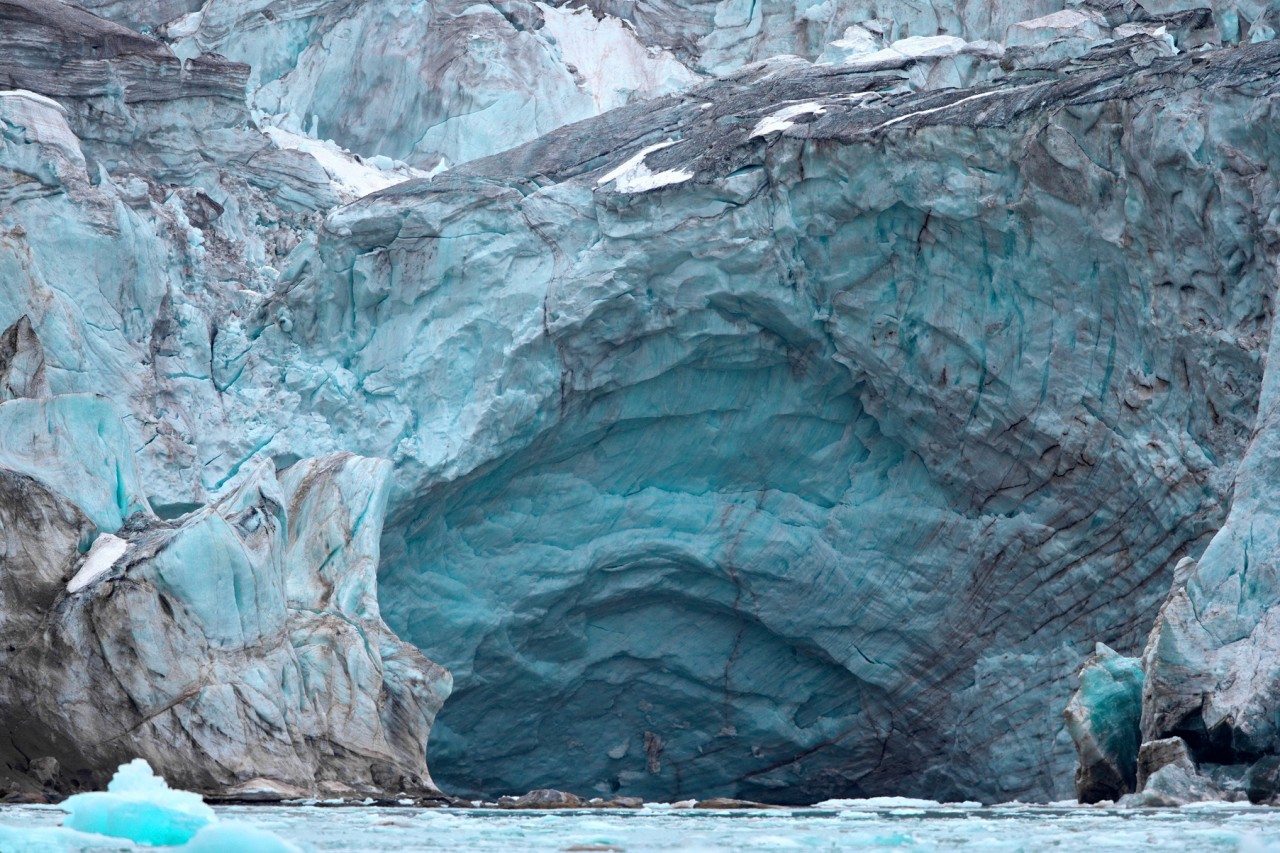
<point>785,118</point>
<point>56,839</point>
<point>889,803</point>
<point>234,835</point>
<point>140,806</point>
<point>634,176</point>
<point>106,550</point>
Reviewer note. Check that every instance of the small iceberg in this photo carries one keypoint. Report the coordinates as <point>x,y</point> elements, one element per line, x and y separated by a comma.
<point>233,835</point>
<point>139,808</point>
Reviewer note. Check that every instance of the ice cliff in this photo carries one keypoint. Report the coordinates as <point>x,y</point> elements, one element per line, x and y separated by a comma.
<point>800,457</point>
<point>240,646</point>
<point>787,434</point>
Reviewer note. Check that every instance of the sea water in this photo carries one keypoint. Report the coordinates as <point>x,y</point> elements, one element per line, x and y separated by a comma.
<point>850,826</point>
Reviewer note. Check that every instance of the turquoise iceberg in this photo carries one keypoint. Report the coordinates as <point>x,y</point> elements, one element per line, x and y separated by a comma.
<point>140,806</point>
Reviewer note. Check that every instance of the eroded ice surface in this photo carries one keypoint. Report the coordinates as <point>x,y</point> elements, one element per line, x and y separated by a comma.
<point>934,827</point>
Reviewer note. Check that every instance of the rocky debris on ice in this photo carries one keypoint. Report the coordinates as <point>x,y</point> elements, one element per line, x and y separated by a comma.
<point>615,803</point>
<point>1168,776</point>
<point>464,81</point>
<point>731,804</point>
<point>543,798</point>
<point>429,85</point>
<point>22,371</point>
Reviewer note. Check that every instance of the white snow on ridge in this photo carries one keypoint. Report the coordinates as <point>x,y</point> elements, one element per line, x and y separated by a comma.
<point>106,550</point>
<point>916,47</point>
<point>783,119</point>
<point>351,178</point>
<point>634,176</point>
<point>34,97</point>
<point>976,97</point>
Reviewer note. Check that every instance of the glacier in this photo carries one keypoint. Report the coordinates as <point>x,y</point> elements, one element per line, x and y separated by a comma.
<point>727,399</point>
<point>667,421</point>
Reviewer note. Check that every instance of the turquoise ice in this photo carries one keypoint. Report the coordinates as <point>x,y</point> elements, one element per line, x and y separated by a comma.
<point>139,806</point>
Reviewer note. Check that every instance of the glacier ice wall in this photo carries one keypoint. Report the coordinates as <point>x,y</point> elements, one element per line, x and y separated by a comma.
<point>813,462</point>
<point>794,436</point>
<point>226,628</point>
<point>239,646</point>
<point>445,82</point>
<point>1210,661</point>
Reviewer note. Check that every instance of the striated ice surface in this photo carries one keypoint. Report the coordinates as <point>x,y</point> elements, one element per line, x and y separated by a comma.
<point>1211,661</point>
<point>441,83</point>
<point>818,473</point>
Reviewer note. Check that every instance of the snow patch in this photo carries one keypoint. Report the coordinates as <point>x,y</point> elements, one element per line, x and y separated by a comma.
<point>784,118</point>
<point>1067,19</point>
<point>634,176</point>
<point>106,550</point>
<point>350,177</point>
<point>856,41</point>
<point>185,26</point>
<point>612,65</point>
<point>1068,22</point>
<point>34,97</point>
<point>916,47</point>
<point>976,97</point>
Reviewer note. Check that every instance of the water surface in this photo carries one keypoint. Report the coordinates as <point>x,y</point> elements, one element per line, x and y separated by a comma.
<point>362,829</point>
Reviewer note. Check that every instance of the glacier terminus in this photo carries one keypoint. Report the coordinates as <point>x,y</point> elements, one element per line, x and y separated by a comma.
<point>771,402</point>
